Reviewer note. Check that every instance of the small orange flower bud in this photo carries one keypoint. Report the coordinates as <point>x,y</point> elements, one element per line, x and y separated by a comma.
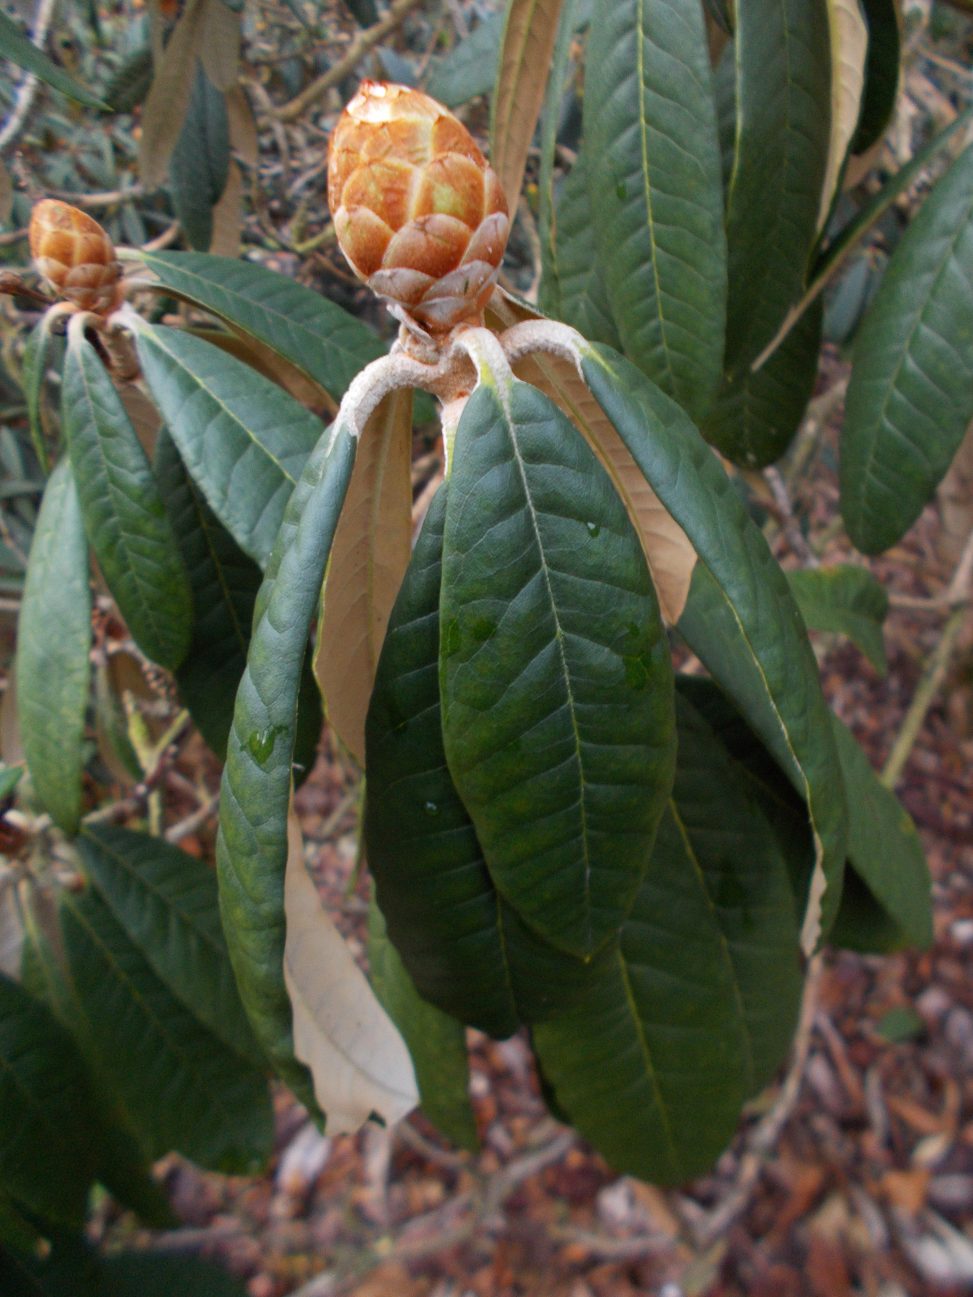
<point>75,256</point>
<point>418,211</point>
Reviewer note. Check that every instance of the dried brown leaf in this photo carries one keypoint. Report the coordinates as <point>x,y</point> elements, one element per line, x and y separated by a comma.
<point>356,1057</point>
<point>168,100</point>
<point>529,34</point>
<point>243,126</point>
<point>368,560</point>
<point>220,45</point>
<point>228,215</point>
<point>668,552</point>
<point>849,46</point>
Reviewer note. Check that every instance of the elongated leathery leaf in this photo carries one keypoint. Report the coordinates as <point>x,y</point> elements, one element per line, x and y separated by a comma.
<point>182,1088</point>
<point>433,889</point>
<point>651,1064</point>
<point>573,287</point>
<point>555,675</point>
<point>847,600</point>
<point>783,74</point>
<point>167,903</point>
<point>243,440</point>
<point>656,191</point>
<point>224,583</point>
<point>436,1041</point>
<point>124,515</point>
<point>25,54</point>
<point>740,619</point>
<point>911,392</point>
<point>462,944</point>
<point>758,412</point>
<point>52,668</point>
<point>884,847</point>
<point>252,843</point>
<point>321,339</point>
<point>47,1123</point>
<point>745,875</point>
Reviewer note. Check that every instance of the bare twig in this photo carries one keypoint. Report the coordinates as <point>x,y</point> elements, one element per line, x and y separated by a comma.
<point>957,597</point>
<point>188,826</point>
<point>363,44</point>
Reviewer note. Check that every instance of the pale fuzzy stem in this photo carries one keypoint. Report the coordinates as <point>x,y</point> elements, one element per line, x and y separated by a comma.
<point>543,335</point>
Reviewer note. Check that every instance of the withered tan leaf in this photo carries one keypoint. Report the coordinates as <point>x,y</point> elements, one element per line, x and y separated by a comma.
<point>220,44</point>
<point>368,560</point>
<point>849,47</point>
<point>168,99</point>
<point>529,35</point>
<point>243,126</point>
<point>357,1059</point>
<point>668,552</point>
<point>228,215</point>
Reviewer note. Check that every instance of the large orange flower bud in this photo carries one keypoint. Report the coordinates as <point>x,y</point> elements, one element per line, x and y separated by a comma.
<point>75,256</point>
<point>418,211</point>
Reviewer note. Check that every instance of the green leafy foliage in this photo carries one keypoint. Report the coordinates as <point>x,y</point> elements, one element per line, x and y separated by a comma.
<point>21,51</point>
<point>252,847</point>
<point>436,1041</point>
<point>200,161</point>
<point>52,670</point>
<point>47,1145</point>
<point>179,1085</point>
<point>243,440</point>
<point>847,600</point>
<point>653,174</point>
<point>567,814</point>
<point>124,516</point>
<point>909,400</point>
<point>323,341</point>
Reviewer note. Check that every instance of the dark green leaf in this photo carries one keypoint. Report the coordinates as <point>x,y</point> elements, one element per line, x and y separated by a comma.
<point>470,67</point>
<point>130,82</point>
<point>651,1064</point>
<point>36,358</point>
<point>52,669</point>
<point>745,874</point>
<point>656,193</point>
<point>741,619</point>
<point>252,845</point>
<point>911,392</point>
<point>17,48</point>
<point>432,884</point>
<point>881,73</point>
<point>573,287</point>
<point>168,905</point>
<point>243,439</point>
<point>757,413</point>
<point>124,516</point>
<point>884,847</point>
<point>783,78</point>
<point>554,669</point>
<point>900,1023</point>
<point>436,1041</point>
<point>180,1086</point>
<point>847,600</point>
<point>47,1147</point>
<point>321,339</point>
<point>200,161</point>
<point>16,1231</point>
<point>780,805</point>
<point>142,1274</point>
<point>224,583</point>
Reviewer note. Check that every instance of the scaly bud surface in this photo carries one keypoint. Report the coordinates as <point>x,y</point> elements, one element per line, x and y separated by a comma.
<point>418,211</point>
<point>74,255</point>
